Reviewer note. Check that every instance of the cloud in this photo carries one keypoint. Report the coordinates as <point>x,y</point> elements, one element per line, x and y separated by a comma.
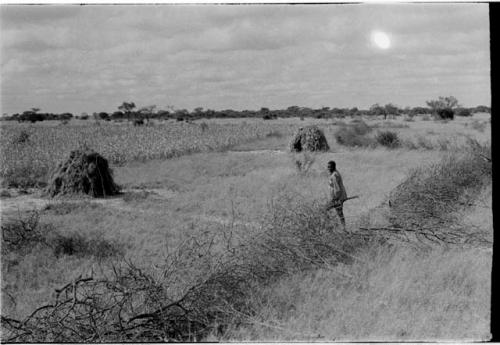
<point>22,15</point>
<point>241,56</point>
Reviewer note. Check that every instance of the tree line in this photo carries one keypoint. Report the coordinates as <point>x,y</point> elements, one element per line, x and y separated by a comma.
<point>443,107</point>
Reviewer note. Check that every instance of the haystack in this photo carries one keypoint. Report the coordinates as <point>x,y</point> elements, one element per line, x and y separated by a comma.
<point>309,138</point>
<point>83,172</point>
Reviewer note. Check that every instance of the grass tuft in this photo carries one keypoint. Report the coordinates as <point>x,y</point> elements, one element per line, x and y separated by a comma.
<point>388,139</point>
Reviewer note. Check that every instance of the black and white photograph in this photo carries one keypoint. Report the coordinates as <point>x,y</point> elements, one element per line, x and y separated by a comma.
<point>238,172</point>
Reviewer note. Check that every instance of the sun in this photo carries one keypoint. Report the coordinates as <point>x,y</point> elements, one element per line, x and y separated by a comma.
<point>381,39</point>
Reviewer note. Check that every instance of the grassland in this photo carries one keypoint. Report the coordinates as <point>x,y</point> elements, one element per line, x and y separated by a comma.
<point>395,292</point>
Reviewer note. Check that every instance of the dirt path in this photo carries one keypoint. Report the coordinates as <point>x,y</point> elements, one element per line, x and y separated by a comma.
<point>10,207</point>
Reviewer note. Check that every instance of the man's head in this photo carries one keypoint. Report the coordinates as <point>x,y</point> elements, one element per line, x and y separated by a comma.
<point>332,166</point>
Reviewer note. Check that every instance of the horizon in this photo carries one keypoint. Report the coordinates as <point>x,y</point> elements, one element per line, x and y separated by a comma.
<point>242,57</point>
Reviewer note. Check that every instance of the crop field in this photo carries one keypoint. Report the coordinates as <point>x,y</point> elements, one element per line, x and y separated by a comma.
<point>219,233</point>
<point>44,146</point>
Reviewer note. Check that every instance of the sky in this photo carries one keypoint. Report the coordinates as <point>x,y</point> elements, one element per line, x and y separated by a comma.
<point>71,58</point>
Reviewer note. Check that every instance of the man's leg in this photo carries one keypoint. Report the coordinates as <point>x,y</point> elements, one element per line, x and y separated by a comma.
<point>340,213</point>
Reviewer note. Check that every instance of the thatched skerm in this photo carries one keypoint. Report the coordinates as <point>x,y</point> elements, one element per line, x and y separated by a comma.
<point>85,171</point>
<point>309,138</point>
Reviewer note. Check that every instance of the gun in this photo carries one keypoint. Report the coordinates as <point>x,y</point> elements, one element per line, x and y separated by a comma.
<point>331,204</point>
<point>352,197</point>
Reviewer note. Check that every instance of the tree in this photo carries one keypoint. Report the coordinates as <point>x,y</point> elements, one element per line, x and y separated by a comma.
<point>147,112</point>
<point>31,115</point>
<point>353,111</point>
<point>463,112</point>
<point>391,109</point>
<point>377,109</point>
<point>443,107</point>
<point>127,108</point>
<point>482,109</point>
<point>103,115</point>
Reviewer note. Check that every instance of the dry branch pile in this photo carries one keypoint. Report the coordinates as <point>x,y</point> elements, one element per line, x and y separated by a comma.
<point>84,171</point>
<point>201,288</point>
<point>429,204</point>
<point>309,138</point>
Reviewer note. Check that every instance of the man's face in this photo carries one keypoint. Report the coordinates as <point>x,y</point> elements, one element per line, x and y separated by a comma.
<point>331,168</point>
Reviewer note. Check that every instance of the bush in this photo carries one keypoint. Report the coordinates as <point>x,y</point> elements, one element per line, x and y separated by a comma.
<point>304,162</point>
<point>25,176</point>
<point>445,114</point>
<point>138,122</point>
<point>24,234</point>
<point>78,245</point>
<point>390,124</point>
<point>360,127</point>
<point>348,136</point>
<point>463,112</point>
<point>203,127</point>
<point>274,134</point>
<point>22,138</point>
<point>425,143</point>
<point>478,126</point>
<point>388,139</point>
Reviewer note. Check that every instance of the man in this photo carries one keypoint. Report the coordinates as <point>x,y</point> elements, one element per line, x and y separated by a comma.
<point>337,191</point>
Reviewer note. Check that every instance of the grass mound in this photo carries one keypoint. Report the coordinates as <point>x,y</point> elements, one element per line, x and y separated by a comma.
<point>309,138</point>
<point>84,171</point>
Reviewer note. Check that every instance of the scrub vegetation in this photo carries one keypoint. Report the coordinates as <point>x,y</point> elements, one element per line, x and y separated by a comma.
<point>228,239</point>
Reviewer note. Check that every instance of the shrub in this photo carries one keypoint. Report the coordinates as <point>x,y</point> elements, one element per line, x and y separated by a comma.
<point>62,208</point>
<point>390,124</point>
<point>77,245</point>
<point>25,176</point>
<point>26,233</point>
<point>424,143</point>
<point>304,162</point>
<point>23,233</point>
<point>409,144</point>
<point>274,134</point>
<point>388,139</point>
<point>338,123</point>
<point>22,138</point>
<point>138,122</point>
<point>203,127</point>
<point>463,112</point>
<point>360,127</point>
<point>445,114</point>
<point>346,135</point>
<point>478,126</point>
<point>426,118</point>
